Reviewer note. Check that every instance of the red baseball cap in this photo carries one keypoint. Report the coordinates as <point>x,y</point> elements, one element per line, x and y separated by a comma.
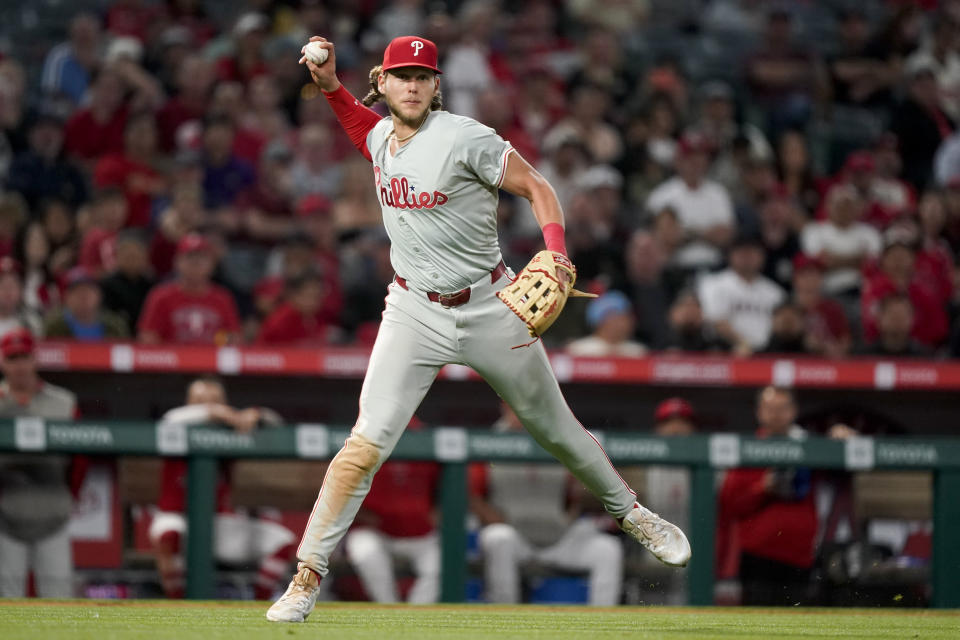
<point>410,51</point>
<point>673,408</point>
<point>192,243</point>
<point>18,342</point>
<point>802,261</point>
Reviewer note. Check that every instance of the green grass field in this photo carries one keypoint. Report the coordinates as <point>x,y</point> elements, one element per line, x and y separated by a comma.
<point>109,620</point>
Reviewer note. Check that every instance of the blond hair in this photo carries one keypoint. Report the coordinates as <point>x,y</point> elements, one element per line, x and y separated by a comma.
<point>374,96</point>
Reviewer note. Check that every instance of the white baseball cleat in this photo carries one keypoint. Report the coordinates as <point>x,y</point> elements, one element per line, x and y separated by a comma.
<point>298,600</point>
<point>663,539</point>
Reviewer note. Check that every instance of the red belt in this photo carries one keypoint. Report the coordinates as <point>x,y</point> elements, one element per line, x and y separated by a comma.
<point>460,297</point>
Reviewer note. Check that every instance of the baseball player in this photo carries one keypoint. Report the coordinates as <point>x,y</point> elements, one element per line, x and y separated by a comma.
<point>437,177</point>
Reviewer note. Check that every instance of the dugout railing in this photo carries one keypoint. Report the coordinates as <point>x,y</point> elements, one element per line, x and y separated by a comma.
<point>454,448</point>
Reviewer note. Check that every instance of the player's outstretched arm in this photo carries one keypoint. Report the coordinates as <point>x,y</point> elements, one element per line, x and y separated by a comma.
<point>356,119</point>
<point>524,181</point>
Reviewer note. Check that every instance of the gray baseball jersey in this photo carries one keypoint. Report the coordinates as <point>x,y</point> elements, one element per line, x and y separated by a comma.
<point>439,199</point>
<point>35,499</point>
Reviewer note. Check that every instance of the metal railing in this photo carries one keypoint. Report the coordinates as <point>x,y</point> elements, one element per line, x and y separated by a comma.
<point>455,447</point>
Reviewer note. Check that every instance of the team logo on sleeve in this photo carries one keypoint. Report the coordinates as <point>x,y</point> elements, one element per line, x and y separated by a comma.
<point>400,194</point>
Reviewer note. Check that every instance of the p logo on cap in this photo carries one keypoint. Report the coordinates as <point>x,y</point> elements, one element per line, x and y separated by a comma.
<point>410,51</point>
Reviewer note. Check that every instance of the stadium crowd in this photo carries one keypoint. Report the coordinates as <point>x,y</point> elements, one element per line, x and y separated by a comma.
<point>737,176</point>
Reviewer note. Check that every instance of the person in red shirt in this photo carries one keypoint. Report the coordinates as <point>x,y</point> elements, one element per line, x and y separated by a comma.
<point>98,248</point>
<point>297,322</point>
<point>895,273</point>
<point>398,519</point>
<point>194,79</point>
<point>132,170</point>
<point>247,61</point>
<point>827,328</point>
<point>190,309</point>
<point>98,129</point>
<point>772,515</point>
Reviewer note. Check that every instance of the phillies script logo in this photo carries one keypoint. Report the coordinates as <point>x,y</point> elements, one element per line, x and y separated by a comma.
<point>402,195</point>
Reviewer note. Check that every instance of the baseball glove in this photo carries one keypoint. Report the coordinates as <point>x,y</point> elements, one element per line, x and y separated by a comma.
<point>537,296</point>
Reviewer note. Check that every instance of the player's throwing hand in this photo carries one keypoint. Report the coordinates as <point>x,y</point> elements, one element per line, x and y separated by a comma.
<point>325,75</point>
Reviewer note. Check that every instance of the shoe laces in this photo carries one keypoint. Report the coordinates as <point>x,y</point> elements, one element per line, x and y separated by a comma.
<point>305,579</point>
<point>651,526</point>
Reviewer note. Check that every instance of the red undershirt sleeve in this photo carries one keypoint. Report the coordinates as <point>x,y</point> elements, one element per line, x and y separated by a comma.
<point>356,119</point>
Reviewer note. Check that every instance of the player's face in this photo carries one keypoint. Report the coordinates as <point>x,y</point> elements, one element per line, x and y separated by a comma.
<point>408,92</point>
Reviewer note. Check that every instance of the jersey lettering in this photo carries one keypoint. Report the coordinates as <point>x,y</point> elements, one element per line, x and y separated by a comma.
<point>401,195</point>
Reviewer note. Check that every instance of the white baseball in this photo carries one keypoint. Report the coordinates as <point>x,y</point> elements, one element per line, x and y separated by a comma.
<point>315,53</point>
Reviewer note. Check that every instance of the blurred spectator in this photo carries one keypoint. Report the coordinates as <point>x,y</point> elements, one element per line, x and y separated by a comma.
<point>125,289</point>
<point>264,115</point>
<point>13,108</point>
<point>14,314</point>
<point>533,513</point>
<point>772,514</point>
<point>935,261</point>
<point>688,331</point>
<point>296,321</point>
<point>13,214</point>
<point>779,222</point>
<point>190,309</point>
<point>703,206</point>
<point>841,242</point>
<point>739,301</point>
<point>229,100</point>
<point>612,321</point>
<point>785,77</point>
<point>225,175</point>
<point>184,215</point>
<point>920,123</point>
<point>398,519</point>
<point>795,170</point>
<point>32,251</point>
<point>885,197</point>
<point>467,62</point>
<point>263,212</point>
<point>134,169</point>
<point>648,287</point>
<point>315,169</point>
<point>718,124</point>
<point>69,65</point>
<point>238,538</point>
<point>131,19</point>
<point>941,52</point>
<point>827,328</point>
<point>41,171</point>
<point>787,330</point>
<point>896,273</point>
<point>108,215</point>
<point>194,81</point>
<point>38,489</point>
<point>589,104</point>
<point>946,162</point>
<point>596,226</point>
<point>895,322</point>
<point>82,316</point>
<point>499,115</point>
<point>98,129</point>
<point>316,221</point>
<point>757,184</point>
<point>860,75</point>
<point>246,59</point>
<point>59,225</point>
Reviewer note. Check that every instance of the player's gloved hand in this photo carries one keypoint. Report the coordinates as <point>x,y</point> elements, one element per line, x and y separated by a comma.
<point>540,291</point>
